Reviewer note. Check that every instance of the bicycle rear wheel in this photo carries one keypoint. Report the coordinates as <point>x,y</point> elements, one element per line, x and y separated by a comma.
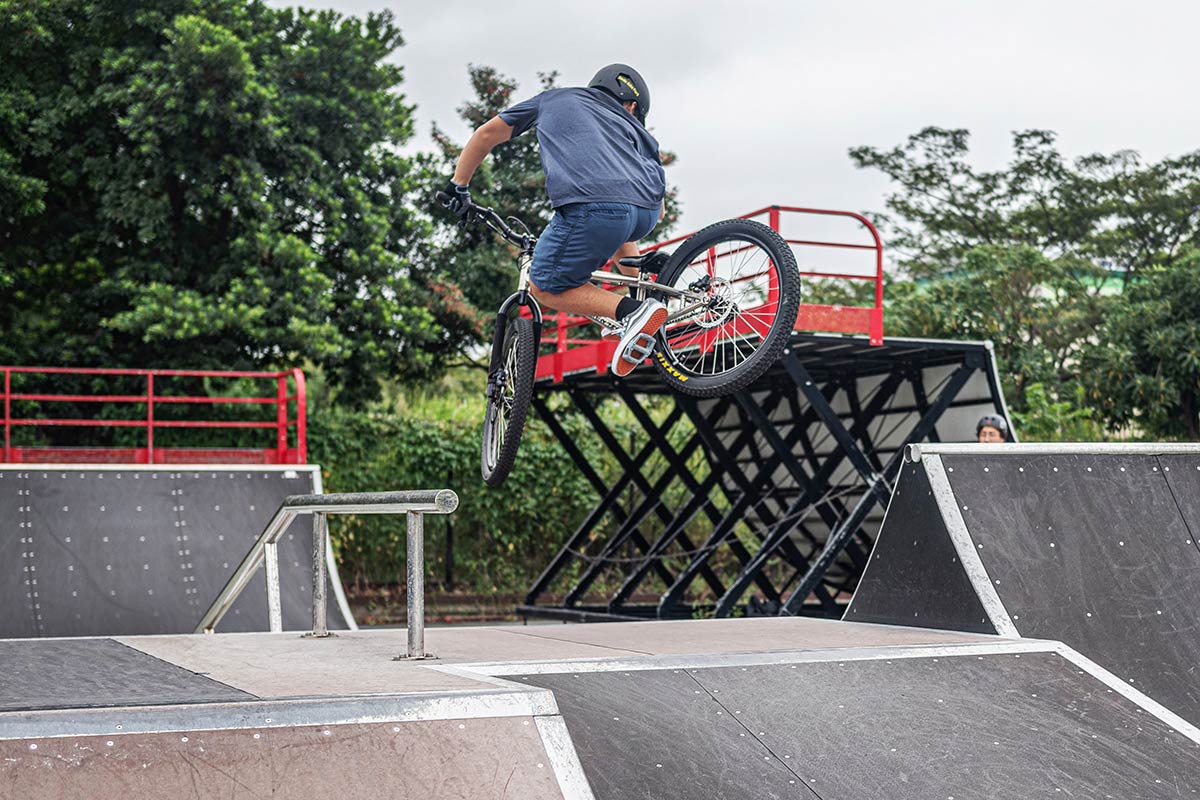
<point>741,296</point>
<point>504,420</point>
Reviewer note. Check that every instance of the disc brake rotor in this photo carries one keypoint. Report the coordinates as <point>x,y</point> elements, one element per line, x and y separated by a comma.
<point>718,307</point>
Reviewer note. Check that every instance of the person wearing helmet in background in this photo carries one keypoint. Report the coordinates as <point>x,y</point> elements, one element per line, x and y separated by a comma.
<point>991,429</point>
<point>606,183</point>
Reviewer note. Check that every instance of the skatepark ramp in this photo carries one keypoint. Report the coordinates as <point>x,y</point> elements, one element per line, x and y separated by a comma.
<point>126,549</point>
<point>750,708</point>
<point>1093,545</point>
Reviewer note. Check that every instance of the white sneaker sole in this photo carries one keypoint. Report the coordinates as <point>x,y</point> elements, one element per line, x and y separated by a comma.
<point>636,345</point>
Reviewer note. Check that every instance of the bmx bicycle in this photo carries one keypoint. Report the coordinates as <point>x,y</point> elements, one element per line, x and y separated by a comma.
<point>732,292</point>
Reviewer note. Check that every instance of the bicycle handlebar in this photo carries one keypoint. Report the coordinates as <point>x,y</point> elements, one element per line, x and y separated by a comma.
<point>478,213</point>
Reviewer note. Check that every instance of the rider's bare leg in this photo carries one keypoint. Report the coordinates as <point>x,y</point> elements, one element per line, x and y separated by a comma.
<point>587,300</point>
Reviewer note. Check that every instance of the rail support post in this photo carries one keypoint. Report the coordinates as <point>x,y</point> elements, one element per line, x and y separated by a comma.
<point>416,586</point>
<point>320,610</point>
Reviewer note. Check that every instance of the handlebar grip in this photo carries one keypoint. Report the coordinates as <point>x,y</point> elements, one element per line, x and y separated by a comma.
<point>442,197</point>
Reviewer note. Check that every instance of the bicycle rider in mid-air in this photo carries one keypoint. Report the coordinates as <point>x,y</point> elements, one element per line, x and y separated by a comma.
<point>606,183</point>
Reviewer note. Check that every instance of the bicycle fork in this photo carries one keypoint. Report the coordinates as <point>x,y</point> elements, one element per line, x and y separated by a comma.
<point>516,300</point>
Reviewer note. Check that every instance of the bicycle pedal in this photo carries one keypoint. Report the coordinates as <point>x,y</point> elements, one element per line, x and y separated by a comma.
<point>640,349</point>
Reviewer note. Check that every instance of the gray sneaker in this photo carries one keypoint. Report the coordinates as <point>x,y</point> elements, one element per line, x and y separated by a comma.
<point>637,340</point>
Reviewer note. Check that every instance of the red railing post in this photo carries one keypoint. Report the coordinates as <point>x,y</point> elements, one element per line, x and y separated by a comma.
<point>150,418</point>
<point>7,415</point>
<point>301,417</point>
<point>281,417</point>
<point>773,218</point>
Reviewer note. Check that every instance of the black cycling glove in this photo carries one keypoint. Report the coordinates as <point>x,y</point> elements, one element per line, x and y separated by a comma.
<point>456,199</point>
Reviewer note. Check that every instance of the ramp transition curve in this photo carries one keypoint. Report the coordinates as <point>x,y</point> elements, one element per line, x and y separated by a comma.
<point>122,550</point>
<point>1092,545</point>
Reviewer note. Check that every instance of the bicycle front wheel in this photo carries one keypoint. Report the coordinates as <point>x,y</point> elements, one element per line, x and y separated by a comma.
<point>504,420</point>
<point>739,296</point>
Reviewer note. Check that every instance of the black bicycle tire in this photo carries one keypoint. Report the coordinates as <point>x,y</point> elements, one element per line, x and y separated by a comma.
<point>521,333</point>
<point>776,340</point>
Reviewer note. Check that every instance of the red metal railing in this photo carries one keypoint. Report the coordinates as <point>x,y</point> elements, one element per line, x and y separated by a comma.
<point>286,450</point>
<point>575,354</point>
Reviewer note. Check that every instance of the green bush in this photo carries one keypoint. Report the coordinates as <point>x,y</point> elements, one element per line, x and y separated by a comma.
<point>503,537</point>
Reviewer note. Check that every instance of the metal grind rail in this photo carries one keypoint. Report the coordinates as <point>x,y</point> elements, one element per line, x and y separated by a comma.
<point>413,504</point>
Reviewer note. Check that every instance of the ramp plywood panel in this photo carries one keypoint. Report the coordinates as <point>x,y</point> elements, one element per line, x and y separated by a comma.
<point>1183,478</point>
<point>16,587</point>
<point>1027,725</point>
<point>1091,550</point>
<point>914,576</point>
<point>658,734</point>
<point>969,727</point>
<point>470,759</point>
<point>89,673</point>
<point>107,552</point>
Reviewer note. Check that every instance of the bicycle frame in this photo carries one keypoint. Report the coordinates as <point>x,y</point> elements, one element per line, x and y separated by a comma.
<point>638,285</point>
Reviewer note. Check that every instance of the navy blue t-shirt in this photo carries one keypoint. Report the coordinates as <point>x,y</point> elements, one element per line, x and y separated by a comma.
<point>593,150</point>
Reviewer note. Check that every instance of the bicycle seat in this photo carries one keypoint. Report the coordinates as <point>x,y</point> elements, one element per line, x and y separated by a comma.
<point>653,261</point>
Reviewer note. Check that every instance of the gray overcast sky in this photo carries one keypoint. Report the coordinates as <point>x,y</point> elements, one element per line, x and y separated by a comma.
<point>761,100</point>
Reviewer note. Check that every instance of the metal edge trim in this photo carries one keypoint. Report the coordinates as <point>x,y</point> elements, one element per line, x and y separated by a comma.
<point>564,759</point>
<point>968,556</point>
<point>692,661</point>
<point>265,714</point>
<point>1164,714</point>
<point>1060,448</point>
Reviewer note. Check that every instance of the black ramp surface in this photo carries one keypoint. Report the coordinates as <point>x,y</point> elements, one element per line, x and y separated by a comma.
<point>102,552</point>
<point>658,734</point>
<point>1183,479</point>
<point>106,552</point>
<point>968,727</point>
<point>224,513</point>
<point>915,567</point>
<point>1013,726</point>
<point>1092,550</point>
<point>87,673</point>
<point>15,577</point>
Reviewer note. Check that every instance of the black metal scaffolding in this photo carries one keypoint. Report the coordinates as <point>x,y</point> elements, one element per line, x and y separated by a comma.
<point>763,502</point>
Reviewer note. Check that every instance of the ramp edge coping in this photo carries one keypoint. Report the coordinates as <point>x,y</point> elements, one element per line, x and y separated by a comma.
<point>915,452</point>
<point>968,555</point>
<point>881,652</point>
<point>518,701</point>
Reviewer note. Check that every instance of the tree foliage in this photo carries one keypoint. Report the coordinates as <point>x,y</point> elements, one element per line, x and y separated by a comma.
<point>1145,366</point>
<point>1037,311</point>
<point>1029,257</point>
<point>207,184</point>
<point>1111,209</point>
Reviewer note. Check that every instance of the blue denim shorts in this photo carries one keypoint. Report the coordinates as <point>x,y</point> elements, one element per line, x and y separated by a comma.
<point>581,237</point>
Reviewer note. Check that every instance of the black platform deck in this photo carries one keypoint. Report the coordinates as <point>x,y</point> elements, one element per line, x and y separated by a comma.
<point>96,551</point>
<point>1094,546</point>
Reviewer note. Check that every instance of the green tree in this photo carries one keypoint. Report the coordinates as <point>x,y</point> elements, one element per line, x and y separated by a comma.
<point>1144,367</point>
<point>208,184</point>
<point>1104,208</point>
<point>1038,312</point>
<point>511,180</point>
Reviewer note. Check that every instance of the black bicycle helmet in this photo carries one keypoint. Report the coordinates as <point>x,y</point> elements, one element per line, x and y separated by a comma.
<point>624,83</point>
<point>994,421</point>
